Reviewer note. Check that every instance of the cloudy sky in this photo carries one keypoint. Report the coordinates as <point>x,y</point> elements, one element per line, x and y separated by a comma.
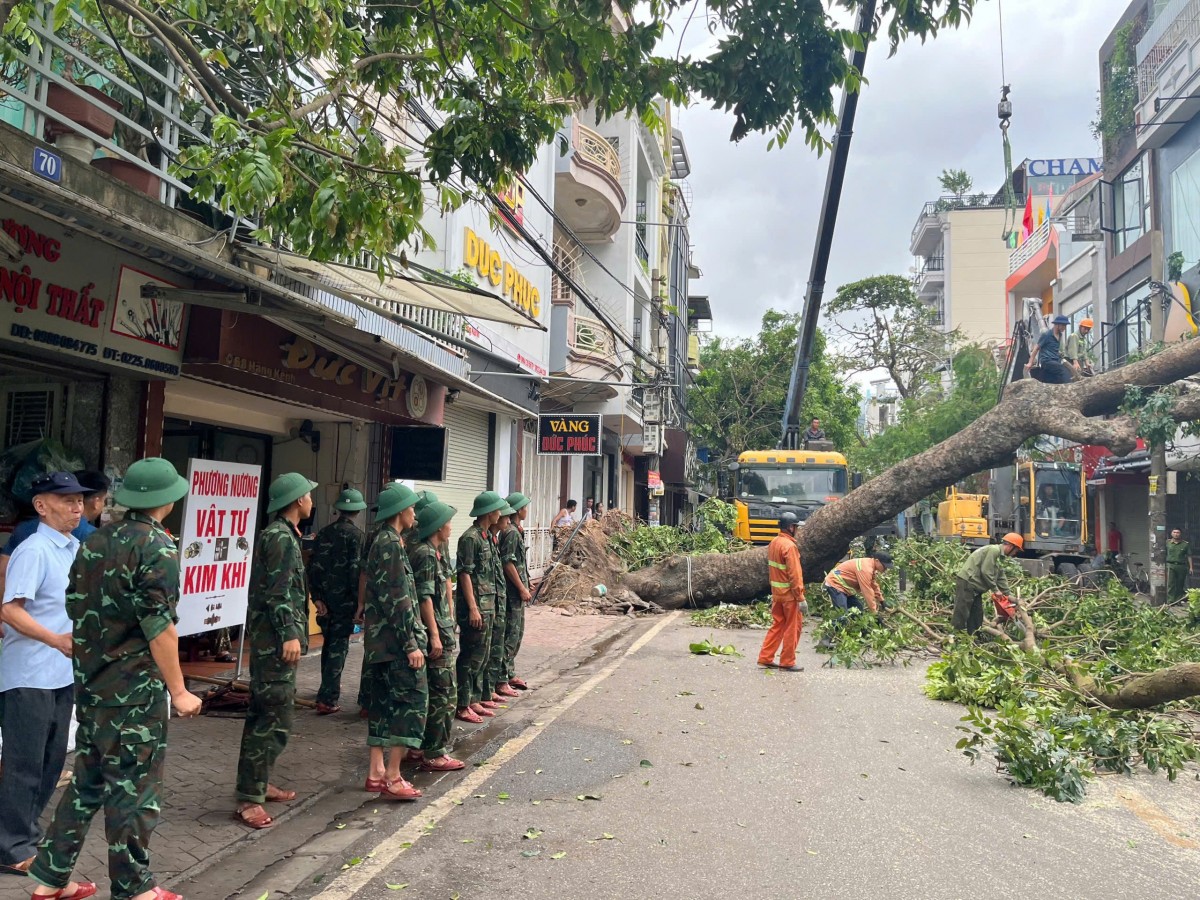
<point>930,107</point>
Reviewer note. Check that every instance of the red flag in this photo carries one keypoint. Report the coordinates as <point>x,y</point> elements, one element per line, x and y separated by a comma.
<point>1027,219</point>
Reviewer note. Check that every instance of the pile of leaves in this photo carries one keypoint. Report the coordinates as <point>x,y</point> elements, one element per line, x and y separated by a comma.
<point>710,531</point>
<point>732,615</point>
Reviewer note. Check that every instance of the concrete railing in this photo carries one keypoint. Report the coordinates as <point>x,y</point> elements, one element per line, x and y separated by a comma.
<point>593,148</point>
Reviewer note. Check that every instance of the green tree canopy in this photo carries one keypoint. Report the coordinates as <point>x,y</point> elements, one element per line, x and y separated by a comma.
<point>929,417</point>
<point>956,182</point>
<point>330,121</point>
<point>737,401</point>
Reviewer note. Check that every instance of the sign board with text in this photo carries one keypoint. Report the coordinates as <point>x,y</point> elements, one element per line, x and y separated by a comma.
<point>217,545</point>
<point>569,434</point>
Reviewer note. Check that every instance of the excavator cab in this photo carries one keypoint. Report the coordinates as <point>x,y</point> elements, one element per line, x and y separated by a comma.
<point>962,516</point>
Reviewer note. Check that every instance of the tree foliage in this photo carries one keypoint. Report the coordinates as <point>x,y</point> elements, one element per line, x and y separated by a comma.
<point>879,323</point>
<point>737,401</point>
<point>330,121</point>
<point>956,182</point>
<point>927,418</point>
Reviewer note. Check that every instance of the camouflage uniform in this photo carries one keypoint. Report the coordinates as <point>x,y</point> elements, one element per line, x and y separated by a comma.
<point>278,613</point>
<point>512,550</point>
<point>494,676</point>
<point>124,587</point>
<point>333,577</point>
<point>364,677</point>
<point>432,571</point>
<point>398,693</point>
<point>476,555</point>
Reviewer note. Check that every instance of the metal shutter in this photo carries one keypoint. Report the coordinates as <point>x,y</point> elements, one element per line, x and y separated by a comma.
<point>466,465</point>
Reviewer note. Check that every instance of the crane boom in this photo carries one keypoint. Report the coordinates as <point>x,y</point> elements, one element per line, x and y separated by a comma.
<point>790,427</point>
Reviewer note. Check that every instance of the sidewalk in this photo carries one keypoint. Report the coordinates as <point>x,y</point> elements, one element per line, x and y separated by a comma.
<point>326,754</point>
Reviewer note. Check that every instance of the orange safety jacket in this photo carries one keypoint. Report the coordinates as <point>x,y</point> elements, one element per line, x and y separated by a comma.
<point>786,576</point>
<point>857,576</point>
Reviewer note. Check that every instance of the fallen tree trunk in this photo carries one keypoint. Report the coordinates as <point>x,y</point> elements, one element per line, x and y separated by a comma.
<point>1028,408</point>
<point>1177,682</point>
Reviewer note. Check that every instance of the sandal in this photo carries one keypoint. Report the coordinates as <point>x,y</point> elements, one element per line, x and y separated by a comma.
<point>505,691</point>
<point>82,889</point>
<point>164,894</point>
<point>468,715</point>
<point>399,790</point>
<point>375,785</point>
<point>279,795</point>
<point>442,764</point>
<point>327,709</point>
<point>483,711</point>
<point>518,684</point>
<point>248,816</point>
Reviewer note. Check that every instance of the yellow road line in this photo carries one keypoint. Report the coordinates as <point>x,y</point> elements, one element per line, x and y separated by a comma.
<point>1156,819</point>
<point>350,882</point>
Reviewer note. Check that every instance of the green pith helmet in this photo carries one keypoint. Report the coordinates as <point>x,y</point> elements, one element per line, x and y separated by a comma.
<point>150,483</point>
<point>507,510</point>
<point>424,499</point>
<point>287,489</point>
<point>487,502</point>
<point>393,500</point>
<point>433,517</point>
<point>350,500</point>
<point>517,501</point>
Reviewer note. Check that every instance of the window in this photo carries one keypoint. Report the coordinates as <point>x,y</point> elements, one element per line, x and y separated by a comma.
<point>30,414</point>
<point>1185,210</point>
<point>1130,329</point>
<point>1131,206</point>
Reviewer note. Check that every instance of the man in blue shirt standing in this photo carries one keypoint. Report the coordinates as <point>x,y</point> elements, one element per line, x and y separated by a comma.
<point>1047,353</point>
<point>36,679</point>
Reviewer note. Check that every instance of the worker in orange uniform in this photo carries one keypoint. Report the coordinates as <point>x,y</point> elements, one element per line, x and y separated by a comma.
<point>787,593</point>
<point>854,578</point>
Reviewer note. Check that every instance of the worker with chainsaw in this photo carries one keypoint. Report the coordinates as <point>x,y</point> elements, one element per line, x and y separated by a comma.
<point>854,583</point>
<point>787,593</point>
<point>1047,354</point>
<point>983,572</point>
<point>1077,354</point>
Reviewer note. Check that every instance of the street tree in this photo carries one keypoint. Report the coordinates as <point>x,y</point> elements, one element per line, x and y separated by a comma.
<point>879,323</point>
<point>333,125</point>
<point>737,400</point>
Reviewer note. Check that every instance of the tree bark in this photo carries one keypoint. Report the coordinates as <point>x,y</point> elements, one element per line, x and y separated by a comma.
<point>1027,408</point>
<point>1177,682</point>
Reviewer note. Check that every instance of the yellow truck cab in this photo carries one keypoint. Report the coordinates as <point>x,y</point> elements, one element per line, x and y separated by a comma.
<point>963,516</point>
<point>768,483</point>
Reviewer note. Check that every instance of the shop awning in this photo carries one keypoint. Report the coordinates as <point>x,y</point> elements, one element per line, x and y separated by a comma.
<point>358,285</point>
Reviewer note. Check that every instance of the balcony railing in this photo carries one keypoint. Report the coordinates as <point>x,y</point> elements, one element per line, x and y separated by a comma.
<point>591,337</point>
<point>595,149</point>
<point>944,204</point>
<point>1029,247</point>
<point>639,248</point>
<point>82,91</point>
<point>1178,25</point>
<point>933,264</point>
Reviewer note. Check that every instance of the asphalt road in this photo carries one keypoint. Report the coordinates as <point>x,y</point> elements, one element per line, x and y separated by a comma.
<point>704,777</point>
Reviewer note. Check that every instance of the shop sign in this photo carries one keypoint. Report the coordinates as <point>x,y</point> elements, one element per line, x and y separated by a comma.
<point>491,340</point>
<point>1081,166</point>
<point>655,483</point>
<point>569,434</point>
<point>219,517</point>
<point>81,299</point>
<point>512,206</point>
<point>501,274</point>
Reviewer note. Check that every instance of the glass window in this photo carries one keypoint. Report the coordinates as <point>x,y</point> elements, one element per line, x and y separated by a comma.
<point>1185,210</point>
<point>1058,504</point>
<point>1130,328</point>
<point>1131,206</point>
<point>791,484</point>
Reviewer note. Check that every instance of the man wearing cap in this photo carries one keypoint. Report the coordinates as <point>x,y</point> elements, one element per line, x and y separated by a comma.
<point>433,572</point>
<point>475,606</point>
<point>1047,353</point>
<point>393,639</point>
<point>333,580</point>
<point>35,667</point>
<point>1076,352</point>
<point>495,686</point>
<point>277,631</point>
<point>124,585</point>
<point>516,587</point>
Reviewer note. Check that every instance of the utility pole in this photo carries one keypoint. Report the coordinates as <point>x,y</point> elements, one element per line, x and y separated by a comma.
<point>1160,298</point>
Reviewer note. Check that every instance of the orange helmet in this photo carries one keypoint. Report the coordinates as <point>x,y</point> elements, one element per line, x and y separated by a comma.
<point>1015,539</point>
<point>1086,323</point>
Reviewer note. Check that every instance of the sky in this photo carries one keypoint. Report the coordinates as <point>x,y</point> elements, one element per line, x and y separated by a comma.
<point>928,108</point>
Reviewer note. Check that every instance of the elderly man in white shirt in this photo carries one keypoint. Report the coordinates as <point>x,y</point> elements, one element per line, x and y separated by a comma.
<point>36,678</point>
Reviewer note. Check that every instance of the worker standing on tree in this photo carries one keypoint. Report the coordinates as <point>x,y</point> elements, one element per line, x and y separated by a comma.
<point>983,572</point>
<point>1076,352</point>
<point>853,578</point>
<point>787,593</point>
<point>1047,353</point>
<point>1179,566</point>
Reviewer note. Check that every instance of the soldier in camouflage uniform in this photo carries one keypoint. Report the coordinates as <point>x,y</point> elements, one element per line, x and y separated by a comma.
<point>333,579</point>
<point>475,607</point>
<point>496,686</point>
<point>394,636</point>
<point>124,587</point>
<point>516,583</point>
<point>433,573</point>
<point>412,537</point>
<point>277,631</point>
<point>364,687</point>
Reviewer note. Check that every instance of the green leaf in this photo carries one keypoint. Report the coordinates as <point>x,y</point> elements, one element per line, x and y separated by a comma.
<point>559,855</point>
<point>646,764</point>
<point>395,887</point>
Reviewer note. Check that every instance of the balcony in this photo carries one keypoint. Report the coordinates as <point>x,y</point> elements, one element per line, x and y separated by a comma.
<point>1029,247</point>
<point>587,185</point>
<point>931,275</point>
<point>1168,58</point>
<point>80,92</point>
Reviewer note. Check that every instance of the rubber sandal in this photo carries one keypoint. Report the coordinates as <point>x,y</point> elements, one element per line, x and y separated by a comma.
<point>164,894</point>
<point>442,764</point>
<point>82,889</point>
<point>483,711</point>
<point>487,704</point>
<point>468,715</point>
<point>325,709</point>
<point>281,796</point>
<point>400,790</point>
<point>374,785</point>
<point>518,684</point>
<point>505,691</point>
<point>257,822</point>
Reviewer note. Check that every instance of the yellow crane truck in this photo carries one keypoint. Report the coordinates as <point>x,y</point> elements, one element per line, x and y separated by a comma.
<point>768,483</point>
